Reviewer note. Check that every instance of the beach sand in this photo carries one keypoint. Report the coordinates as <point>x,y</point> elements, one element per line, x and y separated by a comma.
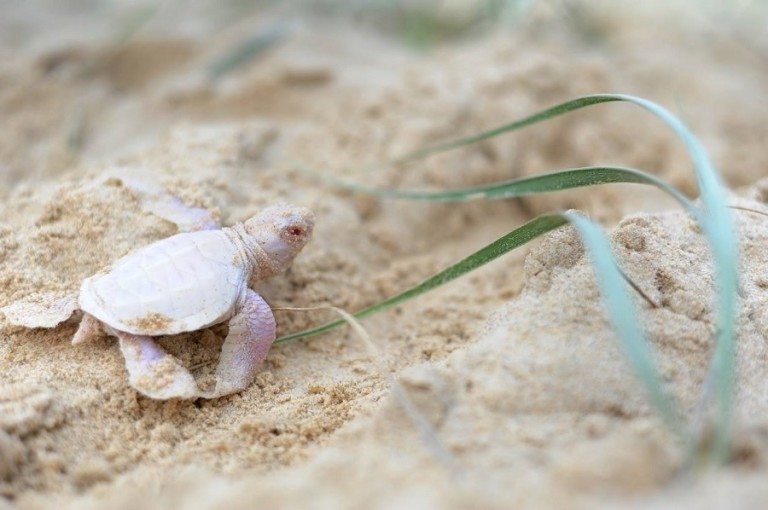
<point>514,366</point>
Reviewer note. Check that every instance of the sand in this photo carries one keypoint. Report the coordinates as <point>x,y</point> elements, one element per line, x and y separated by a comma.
<point>514,366</point>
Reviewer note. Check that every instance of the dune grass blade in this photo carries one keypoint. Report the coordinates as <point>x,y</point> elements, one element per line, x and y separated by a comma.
<point>134,23</point>
<point>622,314</point>
<point>246,51</point>
<point>724,245</point>
<point>555,181</point>
<point>554,111</point>
<point>518,237</point>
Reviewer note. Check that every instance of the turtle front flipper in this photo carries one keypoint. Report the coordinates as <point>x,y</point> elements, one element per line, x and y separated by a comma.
<point>41,311</point>
<point>251,332</point>
<point>162,204</point>
<point>152,371</point>
<point>173,209</point>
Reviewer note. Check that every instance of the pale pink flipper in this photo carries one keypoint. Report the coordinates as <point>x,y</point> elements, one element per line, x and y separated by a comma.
<point>251,332</point>
<point>43,311</point>
<point>186,218</point>
<point>162,204</point>
<point>89,329</point>
<point>152,371</point>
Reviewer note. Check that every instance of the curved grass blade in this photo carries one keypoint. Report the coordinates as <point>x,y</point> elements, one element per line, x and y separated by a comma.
<point>723,243</point>
<point>518,237</point>
<point>246,51</point>
<point>134,23</point>
<point>555,181</point>
<point>622,314</point>
<point>554,111</point>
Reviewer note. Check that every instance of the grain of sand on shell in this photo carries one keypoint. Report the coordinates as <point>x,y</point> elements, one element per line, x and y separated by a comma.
<point>514,366</point>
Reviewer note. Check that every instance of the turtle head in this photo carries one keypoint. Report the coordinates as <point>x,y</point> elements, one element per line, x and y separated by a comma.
<point>281,231</point>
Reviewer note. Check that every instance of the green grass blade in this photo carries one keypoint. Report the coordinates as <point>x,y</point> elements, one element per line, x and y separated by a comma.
<point>134,23</point>
<point>555,181</point>
<point>246,51</point>
<point>518,237</point>
<point>554,111</point>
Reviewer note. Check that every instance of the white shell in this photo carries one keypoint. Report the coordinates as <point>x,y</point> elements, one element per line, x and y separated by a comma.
<point>182,283</point>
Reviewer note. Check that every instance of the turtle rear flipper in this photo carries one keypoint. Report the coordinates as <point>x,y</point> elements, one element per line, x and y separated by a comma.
<point>42,311</point>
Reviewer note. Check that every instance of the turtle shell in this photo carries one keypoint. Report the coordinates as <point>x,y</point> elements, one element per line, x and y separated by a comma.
<point>182,283</point>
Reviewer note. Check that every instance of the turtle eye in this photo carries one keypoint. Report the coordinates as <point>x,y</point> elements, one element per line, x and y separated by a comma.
<point>296,231</point>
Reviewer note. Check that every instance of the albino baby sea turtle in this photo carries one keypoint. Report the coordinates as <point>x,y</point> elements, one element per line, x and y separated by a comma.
<point>185,282</point>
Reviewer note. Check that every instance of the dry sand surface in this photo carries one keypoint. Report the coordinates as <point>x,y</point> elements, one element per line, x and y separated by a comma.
<point>514,366</point>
